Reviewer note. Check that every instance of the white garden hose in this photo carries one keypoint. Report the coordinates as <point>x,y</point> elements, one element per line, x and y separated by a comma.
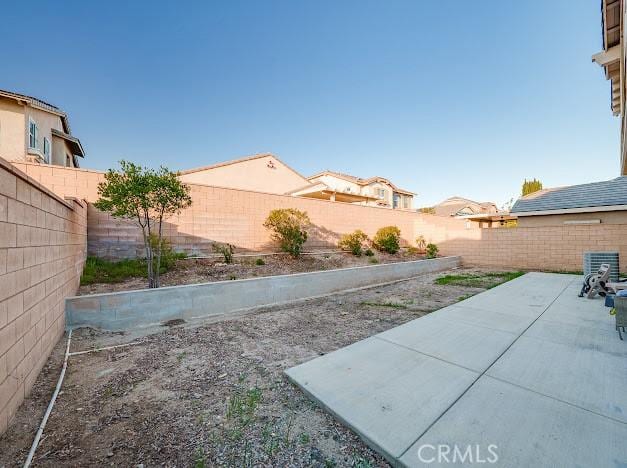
<point>40,431</point>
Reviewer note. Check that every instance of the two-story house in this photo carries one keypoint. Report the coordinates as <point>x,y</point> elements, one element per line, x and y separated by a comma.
<point>377,191</point>
<point>34,131</point>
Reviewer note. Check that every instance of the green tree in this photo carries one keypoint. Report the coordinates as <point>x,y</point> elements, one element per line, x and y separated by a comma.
<point>530,186</point>
<point>147,196</point>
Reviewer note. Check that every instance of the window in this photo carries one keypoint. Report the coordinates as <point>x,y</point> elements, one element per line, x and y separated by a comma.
<point>381,193</point>
<point>406,202</point>
<point>396,198</point>
<point>33,130</point>
<point>46,150</point>
<point>68,161</point>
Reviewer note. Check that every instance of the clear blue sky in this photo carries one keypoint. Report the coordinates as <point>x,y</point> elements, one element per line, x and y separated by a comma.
<point>444,98</point>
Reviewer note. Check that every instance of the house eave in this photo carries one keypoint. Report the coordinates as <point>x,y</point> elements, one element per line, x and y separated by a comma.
<point>588,209</point>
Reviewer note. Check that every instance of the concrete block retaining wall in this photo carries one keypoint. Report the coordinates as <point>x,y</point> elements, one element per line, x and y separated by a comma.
<point>143,308</point>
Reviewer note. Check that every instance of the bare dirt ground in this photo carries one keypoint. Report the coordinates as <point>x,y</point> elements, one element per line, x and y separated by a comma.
<point>192,271</point>
<point>214,394</point>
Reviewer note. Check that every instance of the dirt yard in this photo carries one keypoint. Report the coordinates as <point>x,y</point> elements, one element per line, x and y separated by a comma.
<point>214,395</point>
<point>191,271</point>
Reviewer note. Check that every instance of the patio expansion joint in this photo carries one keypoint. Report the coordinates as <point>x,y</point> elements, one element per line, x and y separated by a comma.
<point>474,371</point>
<point>556,399</point>
<point>481,374</point>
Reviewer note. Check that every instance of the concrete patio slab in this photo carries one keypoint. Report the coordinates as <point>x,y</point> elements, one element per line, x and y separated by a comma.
<point>549,386</point>
<point>486,318</point>
<point>526,430</point>
<point>458,343</point>
<point>373,385</point>
<point>581,376</point>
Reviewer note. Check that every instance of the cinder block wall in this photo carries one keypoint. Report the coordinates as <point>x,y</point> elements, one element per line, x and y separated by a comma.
<point>218,215</point>
<point>236,216</point>
<point>42,252</point>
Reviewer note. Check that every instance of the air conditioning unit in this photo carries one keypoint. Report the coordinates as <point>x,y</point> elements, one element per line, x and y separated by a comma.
<point>593,260</point>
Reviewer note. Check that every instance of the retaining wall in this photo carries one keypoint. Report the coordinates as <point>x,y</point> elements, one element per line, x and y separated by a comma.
<point>42,252</point>
<point>135,309</point>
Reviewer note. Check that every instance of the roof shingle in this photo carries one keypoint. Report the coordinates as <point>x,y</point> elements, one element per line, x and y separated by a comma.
<point>596,194</point>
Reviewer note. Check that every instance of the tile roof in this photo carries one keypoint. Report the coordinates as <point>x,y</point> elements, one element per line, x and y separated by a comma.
<point>40,104</point>
<point>596,194</point>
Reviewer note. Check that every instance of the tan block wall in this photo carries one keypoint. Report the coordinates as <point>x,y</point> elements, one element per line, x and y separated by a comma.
<point>236,216</point>
<point>559,247</point>
<point>42,252</point>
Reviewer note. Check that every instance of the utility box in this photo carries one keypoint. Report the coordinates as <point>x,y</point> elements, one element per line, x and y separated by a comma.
<point>593,260</point>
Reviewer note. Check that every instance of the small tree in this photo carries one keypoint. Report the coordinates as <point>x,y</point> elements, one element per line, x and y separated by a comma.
<point>147,196</point>
<point>289,229</point>
<point>353,242</point>
<point>530,186</point>
<point>421,243</point>
<point>387,239</point>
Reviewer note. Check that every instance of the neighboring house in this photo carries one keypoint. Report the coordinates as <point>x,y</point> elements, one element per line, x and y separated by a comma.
<point>259,173</point>
<point>485,214</point>
<point>267,173</point>
<point>373,191</point>
<point>32,130</point>
<point>458,206</point>
<point>613,60</point>
<point>594,203</point>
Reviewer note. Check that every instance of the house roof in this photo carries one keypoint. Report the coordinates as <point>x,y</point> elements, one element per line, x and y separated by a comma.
<point>361,181</point>
<point>453,205</point>
<point>39,104</point>
<point>240,160</point>
<point>73,142</point>
<point>596,196</point>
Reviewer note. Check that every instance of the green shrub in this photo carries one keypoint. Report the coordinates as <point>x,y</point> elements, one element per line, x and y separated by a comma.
<point>168,255</point>
<point>411,250</point>
<point>432,250</point>
<point>98,270</point>
<point>369,253</point>
<point>387,239</point>
<point>289,229</point>
<point>373,260</point>
<point>225,249</point>
<point>259,262</point>
<point>353,242</point>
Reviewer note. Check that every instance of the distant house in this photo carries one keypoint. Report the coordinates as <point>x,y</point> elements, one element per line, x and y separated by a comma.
<point>458,206</point>
<point>33,130</point>
<point>260,173</point>
<point>594,203</point>
<point>373,191</point>
<point>267,173</point>
<point>485,214</point>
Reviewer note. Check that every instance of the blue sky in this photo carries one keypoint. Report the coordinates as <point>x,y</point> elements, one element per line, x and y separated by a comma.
<point>444,98</point>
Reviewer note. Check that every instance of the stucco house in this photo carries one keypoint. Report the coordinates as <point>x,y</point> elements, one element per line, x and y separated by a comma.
<point>373,191</point>
<point>262,172</point>
<point>33,130</point>
<point>265,172</point>
<point>602,202</point>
